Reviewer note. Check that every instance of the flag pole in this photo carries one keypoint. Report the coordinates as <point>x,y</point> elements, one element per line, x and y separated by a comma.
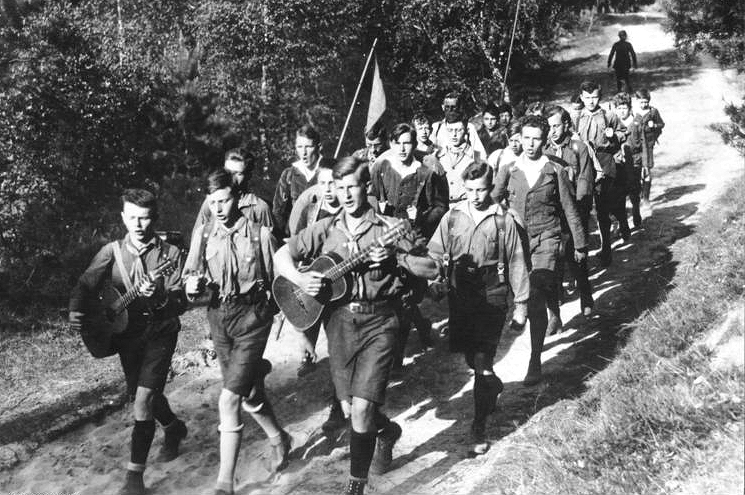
<point>354,101</point>
<point>509,53</point>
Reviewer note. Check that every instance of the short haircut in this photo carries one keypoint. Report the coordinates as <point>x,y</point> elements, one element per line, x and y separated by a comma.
<point>454,116</point>
<point>589,87</point>
<point>377,131</point>
<point>326,163</point>
<point>505,108</point>
<point>516,127</point>
<point>492,109</point>
<point>421,118</point>
<point>453,95</point>
<point>220,179</point>
<point>142,198</point>
<point>477,170</point>
<point>622,33</point>
<point>536,121</point>
<point>400,130</point>
<point>643,94</point>
<point>309,132</point>
<point>577,99</point>
<point>350,165</point>
<point>240,155</point>
<point>558,110</point>
<point>622,98</point>
<point>536,108</point>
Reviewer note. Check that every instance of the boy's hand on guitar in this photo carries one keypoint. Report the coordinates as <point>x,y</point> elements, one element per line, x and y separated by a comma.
<point>76,320</point>
<point>311,282</point>
<point>147,288</point>
<point>194,285</point>
<point>378,255</point>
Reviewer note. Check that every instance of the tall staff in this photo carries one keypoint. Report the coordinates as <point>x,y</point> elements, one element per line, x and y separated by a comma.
<point>509,52</point>
<point>354,101</point>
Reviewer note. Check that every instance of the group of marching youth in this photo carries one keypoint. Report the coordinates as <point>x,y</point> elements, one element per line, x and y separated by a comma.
<point>488,213</point>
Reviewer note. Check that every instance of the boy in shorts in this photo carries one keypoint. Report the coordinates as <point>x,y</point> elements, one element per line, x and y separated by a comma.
<point>477,249</point>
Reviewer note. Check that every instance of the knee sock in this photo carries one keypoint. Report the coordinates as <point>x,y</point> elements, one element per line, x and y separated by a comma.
<point>381,420</point>
<point>162,410</point>
<point>361,450</point>
<point>142,437</point>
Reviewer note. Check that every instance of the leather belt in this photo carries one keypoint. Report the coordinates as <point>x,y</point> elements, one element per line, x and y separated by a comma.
<point>370,307</point>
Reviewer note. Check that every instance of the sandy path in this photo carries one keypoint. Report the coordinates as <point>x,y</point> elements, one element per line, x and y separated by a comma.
<point>432,398</point>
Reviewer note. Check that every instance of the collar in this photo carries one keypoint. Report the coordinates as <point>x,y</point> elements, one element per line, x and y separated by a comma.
<point>523,163</point>
<point>597,111</point>
<point>563,143</point>
<point>368,216</point>
<point>302,168</point>
<point>154,242</point>
<point>494,208</point>
<point>240,226</point>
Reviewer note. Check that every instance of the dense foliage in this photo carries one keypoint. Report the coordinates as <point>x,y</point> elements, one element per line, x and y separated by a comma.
<point>98,95</point>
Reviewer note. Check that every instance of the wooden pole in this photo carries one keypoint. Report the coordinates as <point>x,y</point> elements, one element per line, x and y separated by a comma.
<point>354,101</point>
<point>509,53</point>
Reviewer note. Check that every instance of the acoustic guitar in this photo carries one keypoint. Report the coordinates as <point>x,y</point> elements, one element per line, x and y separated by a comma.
<point>107,314</point>
<point>303,310</point>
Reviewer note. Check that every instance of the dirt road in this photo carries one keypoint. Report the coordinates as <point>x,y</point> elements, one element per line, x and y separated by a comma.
<point>432,398</point>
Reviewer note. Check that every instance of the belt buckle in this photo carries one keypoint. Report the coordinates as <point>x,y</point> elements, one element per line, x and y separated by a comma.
<point>355,307</point>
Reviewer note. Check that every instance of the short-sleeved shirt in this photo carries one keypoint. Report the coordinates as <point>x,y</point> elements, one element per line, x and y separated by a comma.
<point>331,235</point>
<point>251,244</point>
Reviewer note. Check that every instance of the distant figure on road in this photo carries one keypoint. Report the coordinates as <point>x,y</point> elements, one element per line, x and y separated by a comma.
<point>625,55</point>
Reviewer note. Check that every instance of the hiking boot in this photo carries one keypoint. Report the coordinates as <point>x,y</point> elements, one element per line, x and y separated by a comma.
<point>383,456</point>
<point>554,326</point>
<point>534,376</point>
<point>336,420</point>
<point>307,366</point>
<point>478,435</point>
<point>174,433</point>
<point>355,487</point>
<point>133,484</point>
<point>279,453</point>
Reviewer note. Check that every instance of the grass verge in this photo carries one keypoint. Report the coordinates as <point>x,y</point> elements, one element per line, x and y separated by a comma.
<point>666,416</point>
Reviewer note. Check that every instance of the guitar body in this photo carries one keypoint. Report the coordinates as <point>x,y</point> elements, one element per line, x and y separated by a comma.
<point>303,310</point>
<point>104,318</point>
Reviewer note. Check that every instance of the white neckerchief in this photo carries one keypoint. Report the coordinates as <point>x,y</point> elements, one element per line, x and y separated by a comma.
<point>307,172</point>
<point>404,170</point>
<point>531,168</point>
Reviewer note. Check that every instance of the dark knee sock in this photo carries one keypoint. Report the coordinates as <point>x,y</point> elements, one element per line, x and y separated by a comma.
<point>361,449</point>
<point>142,437</point>
<point>162,410</point>
<point>380,420</point>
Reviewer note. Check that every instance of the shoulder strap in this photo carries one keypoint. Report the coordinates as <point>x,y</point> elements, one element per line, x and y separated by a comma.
<point>120,265</point>
<point>501,243</point>
<point>256,245</point>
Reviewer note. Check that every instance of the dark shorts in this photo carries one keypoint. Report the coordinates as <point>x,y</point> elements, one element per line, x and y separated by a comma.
<point>240,330</point>
<point>545,251</point>
<point>361,352</point>
<point>475,323</point>
<point>146,355</point>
